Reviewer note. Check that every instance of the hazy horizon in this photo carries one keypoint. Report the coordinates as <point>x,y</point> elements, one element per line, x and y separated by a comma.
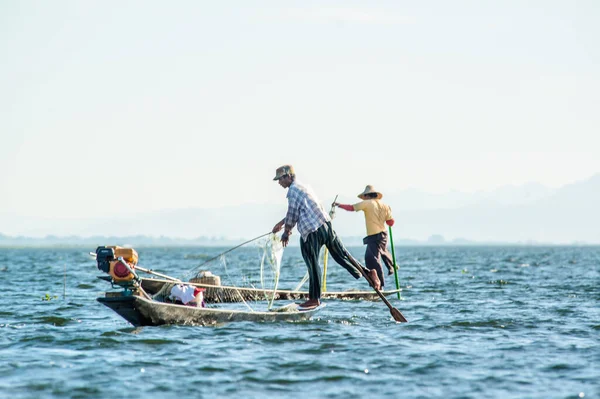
<point>529,213</point>
<point>125,112</point>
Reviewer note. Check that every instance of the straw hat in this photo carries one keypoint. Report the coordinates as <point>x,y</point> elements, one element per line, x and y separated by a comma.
<point>284,170</point>
<point>369,190</point>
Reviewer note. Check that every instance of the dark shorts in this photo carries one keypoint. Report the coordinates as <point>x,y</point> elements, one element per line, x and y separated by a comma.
<point>377,251</point>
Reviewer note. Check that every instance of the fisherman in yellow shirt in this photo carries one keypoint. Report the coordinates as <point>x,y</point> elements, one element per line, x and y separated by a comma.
<point>377,215</point>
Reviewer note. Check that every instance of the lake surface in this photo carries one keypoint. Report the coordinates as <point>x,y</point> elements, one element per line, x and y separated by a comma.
<point>484,322</point>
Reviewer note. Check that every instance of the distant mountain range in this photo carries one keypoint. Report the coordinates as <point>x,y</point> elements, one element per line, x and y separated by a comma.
<point>90,243</point>
<point>524,214</point>
<point>413,200</point>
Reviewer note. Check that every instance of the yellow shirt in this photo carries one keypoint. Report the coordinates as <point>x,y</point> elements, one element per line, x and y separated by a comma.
<point>376,213</point>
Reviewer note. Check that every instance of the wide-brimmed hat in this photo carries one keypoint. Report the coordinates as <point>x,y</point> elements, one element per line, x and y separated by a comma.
<point>369,190</point>
<point>283,170</point>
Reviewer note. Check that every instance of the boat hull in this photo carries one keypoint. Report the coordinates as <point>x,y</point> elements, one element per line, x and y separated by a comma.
<point>227,294</point>
<point>144,312</point>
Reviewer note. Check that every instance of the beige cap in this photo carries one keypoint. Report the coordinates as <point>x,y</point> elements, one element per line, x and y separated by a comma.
<point>284,170</point>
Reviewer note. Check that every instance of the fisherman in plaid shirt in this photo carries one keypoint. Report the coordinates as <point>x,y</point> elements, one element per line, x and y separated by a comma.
<point>314,225</point>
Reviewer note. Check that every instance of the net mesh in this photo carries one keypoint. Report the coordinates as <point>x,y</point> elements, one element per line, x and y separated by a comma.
<point>249,284</point>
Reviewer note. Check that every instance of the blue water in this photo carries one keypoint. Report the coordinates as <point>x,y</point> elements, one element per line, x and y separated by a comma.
<point>493,322</point>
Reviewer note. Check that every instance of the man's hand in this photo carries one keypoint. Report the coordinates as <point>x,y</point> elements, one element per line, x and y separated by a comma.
<point>285,239</point>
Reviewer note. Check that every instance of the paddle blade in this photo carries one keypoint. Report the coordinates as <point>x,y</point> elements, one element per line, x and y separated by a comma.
<point>398,316</point>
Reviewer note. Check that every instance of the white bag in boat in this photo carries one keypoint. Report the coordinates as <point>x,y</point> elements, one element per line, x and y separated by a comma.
<point>185,293</point>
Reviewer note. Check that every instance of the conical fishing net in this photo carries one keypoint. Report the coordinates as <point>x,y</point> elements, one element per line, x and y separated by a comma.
<point>245,278</point>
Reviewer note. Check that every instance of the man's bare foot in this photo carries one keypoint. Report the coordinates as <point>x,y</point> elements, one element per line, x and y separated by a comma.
<point>374,279</point>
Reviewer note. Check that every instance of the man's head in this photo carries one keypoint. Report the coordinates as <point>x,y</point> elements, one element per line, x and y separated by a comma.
<point>285,175</point>
<point>370,193</point>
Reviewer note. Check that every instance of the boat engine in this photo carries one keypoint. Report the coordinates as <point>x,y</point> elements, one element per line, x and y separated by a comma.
<point>117,261</point>
<point>103,256</point>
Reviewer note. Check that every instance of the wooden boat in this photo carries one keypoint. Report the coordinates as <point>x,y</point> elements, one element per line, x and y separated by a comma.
<point>120,264</point>
<point>228,294</point>
<point>138,307</point>
<point>136,304</point>
<point>141,311</point>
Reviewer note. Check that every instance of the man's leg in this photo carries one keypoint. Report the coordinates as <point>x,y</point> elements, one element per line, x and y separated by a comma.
<point>372,259</point>
<point>385,255</point>
<point>340,254</point>
<point>310,252</point>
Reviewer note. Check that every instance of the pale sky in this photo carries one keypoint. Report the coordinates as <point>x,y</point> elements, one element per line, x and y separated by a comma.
<point>115,107</point>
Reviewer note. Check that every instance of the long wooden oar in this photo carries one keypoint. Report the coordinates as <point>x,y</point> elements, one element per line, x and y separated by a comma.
<point>149,271</point>
<point>394,312</point>
<point>394,258</point>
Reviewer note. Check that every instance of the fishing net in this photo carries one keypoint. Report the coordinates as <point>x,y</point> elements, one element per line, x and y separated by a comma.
<point>246,277</point>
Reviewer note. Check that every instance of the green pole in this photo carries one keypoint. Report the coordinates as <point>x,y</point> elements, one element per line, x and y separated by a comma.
<point>394,258</point>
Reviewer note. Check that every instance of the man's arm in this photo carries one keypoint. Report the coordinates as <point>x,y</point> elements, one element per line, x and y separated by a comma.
<point>344,206</point>
<point>292,216</point>
<point>390,220</point>
<point>278,226</point>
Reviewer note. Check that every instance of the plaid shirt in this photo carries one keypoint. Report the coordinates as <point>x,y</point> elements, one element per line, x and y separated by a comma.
<point>304,209</point>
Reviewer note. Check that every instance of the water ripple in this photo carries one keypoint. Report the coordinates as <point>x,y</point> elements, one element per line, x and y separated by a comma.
<point>493,323</point>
